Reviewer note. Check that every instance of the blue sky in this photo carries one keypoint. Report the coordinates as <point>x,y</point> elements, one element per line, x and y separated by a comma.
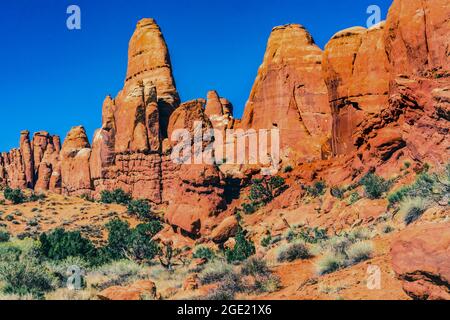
<point>54,78</point>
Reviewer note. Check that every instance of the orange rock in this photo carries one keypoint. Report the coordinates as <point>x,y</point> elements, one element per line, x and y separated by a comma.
<point>27,157</point>
<point>289,93</point>
<point>417,36</point>
<point>192,282</point>
<point>420,258</point>
<point>354,66</point>
<point>225,230</point>
<point>75,155</point>
<point>143,289</point>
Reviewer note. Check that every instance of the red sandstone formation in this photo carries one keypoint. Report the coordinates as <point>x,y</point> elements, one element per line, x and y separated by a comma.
<point>193,190</point>
<point>420,258</point>
<point>375,97</point>
<point>36,165</point>
<point>289,94</point>
<point>354,67</point>
<point>75,156</point>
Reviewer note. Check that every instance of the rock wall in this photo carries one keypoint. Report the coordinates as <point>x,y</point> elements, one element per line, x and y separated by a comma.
<point>354,68</point>
<point>35,165</point>
<point>289,93</point>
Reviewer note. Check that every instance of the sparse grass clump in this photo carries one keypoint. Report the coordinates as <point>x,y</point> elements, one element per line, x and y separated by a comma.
<point>344,250</point>
<point>215,272</point>
<point>359,251</point>
<point>354,197</point>
<point>411,209</point>
<point>255,267</point>
<point>292,252</point>
<point>329,263</point>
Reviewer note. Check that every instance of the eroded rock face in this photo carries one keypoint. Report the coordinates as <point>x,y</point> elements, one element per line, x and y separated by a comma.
<point>36,165</point>
<point>289,93</point>
<point>140,290</point>
<point>417,36</point>
<point>149,65</point>
<point>75,169</point>
<point>420,258</point>
<point>354,67</point>
<point>193,190</point>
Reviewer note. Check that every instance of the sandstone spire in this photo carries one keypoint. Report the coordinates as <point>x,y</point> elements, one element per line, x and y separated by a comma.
<point>149,65</point>
<point>354,68</point>
<point>289,93</point>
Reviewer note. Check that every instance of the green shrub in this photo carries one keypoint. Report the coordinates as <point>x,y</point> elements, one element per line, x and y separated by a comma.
<point>412,209</point>
<point>312,235</point>
<point>118,234</point>
<point>36,197</point>
<point>292,252</point>
<point>124,242</point>
<point>140,208</point>
<point>151,228</point>
<point>25,277</point>
<point>266,241</point>
<point>317,189</point>
<point>354,197</point>
<point>338,192</point>
<point>141,247</point>
<point>374,186</point>
<point>117,196</point>
<point>249,208</point>
<point>242,250</point>
<point>60,244</point>
<point>265,190</point>
<point>4,236</point>
<point>16,196</point>
<point>88,197</point>
<point>288,169</point>
<point>204,253</point>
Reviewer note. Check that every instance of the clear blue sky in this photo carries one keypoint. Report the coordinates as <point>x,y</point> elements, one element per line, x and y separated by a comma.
<point>53,78</point>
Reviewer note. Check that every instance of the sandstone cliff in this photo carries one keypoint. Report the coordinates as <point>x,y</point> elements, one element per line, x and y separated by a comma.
<point>289,93</point>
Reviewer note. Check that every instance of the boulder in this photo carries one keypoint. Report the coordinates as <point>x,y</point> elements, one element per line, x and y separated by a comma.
<point>420,258</point>
<point>225,230</point>
<point>140,290</point>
